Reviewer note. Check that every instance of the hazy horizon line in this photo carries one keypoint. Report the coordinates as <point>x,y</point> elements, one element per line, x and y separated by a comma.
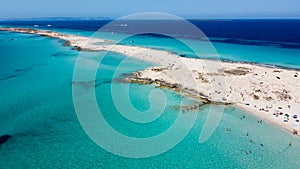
<point>114,18</point>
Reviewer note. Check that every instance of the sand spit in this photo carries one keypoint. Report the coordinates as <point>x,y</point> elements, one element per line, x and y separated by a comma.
<point>272,94</point>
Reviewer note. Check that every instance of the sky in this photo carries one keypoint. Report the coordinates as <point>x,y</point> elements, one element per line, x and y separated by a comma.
<point>202,9</point>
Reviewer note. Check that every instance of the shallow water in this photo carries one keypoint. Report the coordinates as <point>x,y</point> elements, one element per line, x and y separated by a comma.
<point>36,108</point>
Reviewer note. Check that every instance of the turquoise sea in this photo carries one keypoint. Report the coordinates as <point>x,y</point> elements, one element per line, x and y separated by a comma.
<point>36,109</point>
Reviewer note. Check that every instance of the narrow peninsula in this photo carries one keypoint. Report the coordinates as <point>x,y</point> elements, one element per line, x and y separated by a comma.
<point>270,93</point>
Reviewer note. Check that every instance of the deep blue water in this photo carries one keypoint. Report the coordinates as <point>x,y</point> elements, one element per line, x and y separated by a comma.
<point>233,30</point>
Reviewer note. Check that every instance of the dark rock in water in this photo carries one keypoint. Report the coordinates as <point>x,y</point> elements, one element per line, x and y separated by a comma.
<point>78,48</point>
<point>4,138</point>
<point>67,43</point>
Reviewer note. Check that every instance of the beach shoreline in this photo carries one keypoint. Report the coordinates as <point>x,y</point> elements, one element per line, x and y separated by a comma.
<point>272,94</point>
<point>267,120</point>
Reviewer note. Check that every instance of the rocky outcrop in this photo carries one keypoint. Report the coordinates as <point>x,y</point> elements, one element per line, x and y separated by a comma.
<point>4,138</point>
<point>239,71</point>
<point>135,77</point>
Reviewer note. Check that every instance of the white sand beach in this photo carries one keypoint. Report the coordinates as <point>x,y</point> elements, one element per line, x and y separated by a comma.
<point>272,94</point>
